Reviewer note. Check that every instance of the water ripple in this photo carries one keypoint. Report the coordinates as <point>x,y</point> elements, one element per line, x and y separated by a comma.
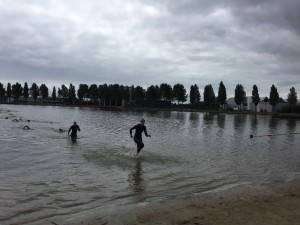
<point>45,176</point>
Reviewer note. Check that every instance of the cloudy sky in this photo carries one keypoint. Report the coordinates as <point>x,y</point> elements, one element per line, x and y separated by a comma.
<point>151,42</point>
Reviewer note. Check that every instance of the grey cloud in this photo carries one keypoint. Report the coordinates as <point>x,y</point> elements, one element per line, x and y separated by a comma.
<point>143,43</point>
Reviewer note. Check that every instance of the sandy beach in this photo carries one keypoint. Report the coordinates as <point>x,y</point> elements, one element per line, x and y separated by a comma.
<point>267,204</point>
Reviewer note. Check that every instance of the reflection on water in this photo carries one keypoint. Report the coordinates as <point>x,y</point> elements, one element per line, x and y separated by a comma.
<point>239,120</point>
<point>136,179</point>
<point>273,123</point>
<point>221,120</point>
<point>209,117</point>
<point>180,116</point>
<point>194,116</point>
<point>254,121</point>
<point>45,176</point>
<point>291,125</point>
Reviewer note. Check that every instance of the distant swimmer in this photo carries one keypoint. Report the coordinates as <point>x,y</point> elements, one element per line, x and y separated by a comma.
<point>26,127</point>
<point>74,128</point>
<point>139,129</point>
<point>15,120</point>
<point>61,130</point>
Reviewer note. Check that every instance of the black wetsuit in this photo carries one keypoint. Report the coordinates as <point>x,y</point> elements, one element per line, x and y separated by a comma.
<point>74,129</point>
<point>139,129</point>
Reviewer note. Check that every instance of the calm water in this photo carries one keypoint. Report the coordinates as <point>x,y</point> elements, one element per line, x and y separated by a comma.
<point>46,177</point>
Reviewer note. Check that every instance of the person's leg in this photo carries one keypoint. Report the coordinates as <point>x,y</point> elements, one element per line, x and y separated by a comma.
<point>73,135</point>
<point>140,145</point>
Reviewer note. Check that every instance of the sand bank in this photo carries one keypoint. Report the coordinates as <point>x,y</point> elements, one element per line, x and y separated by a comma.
<point>268,204</point>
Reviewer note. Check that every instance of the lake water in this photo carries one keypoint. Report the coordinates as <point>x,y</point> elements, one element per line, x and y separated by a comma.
<point>45,177</point>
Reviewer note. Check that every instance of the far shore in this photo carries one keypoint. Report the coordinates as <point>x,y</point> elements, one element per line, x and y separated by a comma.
<point>267,204</point>
<point>176,109</point>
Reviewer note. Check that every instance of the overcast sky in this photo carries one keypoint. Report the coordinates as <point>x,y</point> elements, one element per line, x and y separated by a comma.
<point>151,42</point>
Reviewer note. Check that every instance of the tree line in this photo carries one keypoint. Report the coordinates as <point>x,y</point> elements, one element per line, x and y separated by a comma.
<point>113,94</point>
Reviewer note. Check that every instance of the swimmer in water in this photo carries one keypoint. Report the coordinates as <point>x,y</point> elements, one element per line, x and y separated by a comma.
<point>139,129</point>
<point>74,128</point>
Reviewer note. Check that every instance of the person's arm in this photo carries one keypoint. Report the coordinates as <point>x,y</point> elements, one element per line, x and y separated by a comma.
<point>131,130</point>
<point>147,135</point>
<point>78,128</point>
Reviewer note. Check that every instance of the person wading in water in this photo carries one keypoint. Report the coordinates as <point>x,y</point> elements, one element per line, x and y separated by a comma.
<point>74,129</point>
<point>139,129</point>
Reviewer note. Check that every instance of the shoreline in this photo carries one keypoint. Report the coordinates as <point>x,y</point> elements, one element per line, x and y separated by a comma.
<point>179,109</point>
<point>275,203</point>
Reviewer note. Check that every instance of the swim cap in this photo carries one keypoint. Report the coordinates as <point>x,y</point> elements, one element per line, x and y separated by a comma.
<point>142,120</point>
<point>74,123</point>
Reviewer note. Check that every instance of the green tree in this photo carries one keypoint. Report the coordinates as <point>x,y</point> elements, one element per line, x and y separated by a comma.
<point>2,92</point>
<point>103,93</point>
<point>71,93</point>
<point>240,95</point>
<point>255,97</point>
<point>194,94</point>
<point>152,92</point>
<point>54,93</point>
<point>131,93</point>
<point>34,91</point>
<point>165,91</point>
<point>93,92</point>
<point>63,92</point>
<point>26,91</point>
<point>222,95</point>
<point>139,93</point>
<point>118,94</point>
<point>44,91</point>
<point>83,91</point>
<point>114,94</point>
<point>17,90</point>
<point>274,97</point>
<point>179,93</point>
<point>209,95</point>
<point>125,92</point>
<point>158,92</point>
<point>292,98</point>
<point>8,90</point>
<point>197,94</point>
<point>111,94</point>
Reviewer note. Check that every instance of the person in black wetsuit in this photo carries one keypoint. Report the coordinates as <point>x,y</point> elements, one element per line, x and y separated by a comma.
<point>74,129</point>
<point>139,129</point>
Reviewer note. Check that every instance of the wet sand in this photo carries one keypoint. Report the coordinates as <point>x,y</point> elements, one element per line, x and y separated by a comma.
<point>268,204</point>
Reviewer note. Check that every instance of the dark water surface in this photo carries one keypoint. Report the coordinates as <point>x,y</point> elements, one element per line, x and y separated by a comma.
<point>46,177</point>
